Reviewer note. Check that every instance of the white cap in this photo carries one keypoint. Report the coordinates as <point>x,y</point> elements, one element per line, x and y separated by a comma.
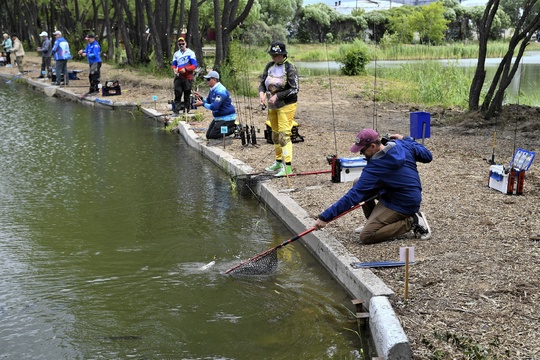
<point>212,74</point>
<point>57,32</point>
<point>43,33</point>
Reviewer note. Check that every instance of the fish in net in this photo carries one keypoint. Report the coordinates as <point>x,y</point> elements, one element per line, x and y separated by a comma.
<point>267,262</point>
<point>263,264</point>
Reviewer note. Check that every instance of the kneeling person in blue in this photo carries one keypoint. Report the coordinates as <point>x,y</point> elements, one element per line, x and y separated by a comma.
<point>391,172</point>
<point>219,101</point>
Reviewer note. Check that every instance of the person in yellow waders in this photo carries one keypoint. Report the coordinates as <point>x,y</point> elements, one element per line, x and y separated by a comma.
<point>279,87</point>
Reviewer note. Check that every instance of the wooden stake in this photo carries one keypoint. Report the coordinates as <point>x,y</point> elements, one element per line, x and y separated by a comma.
<point>406,273</point>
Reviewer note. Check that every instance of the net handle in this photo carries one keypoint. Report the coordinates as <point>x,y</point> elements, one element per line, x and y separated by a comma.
<point>298,236</point>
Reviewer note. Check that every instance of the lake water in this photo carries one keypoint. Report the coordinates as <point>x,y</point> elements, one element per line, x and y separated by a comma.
<point>106,221</point>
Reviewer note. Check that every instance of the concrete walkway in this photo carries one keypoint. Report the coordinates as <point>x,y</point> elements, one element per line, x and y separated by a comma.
<point>388,335</point>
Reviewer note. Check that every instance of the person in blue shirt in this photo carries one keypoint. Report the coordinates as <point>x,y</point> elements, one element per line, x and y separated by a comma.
<point>390,173</point>
<point>219,101</point>
<point>93,54</point>
<point>61,56</point>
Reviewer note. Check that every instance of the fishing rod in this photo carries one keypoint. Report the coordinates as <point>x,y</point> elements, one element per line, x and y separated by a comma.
<point>239,131</point>
<point>492,160</point>
<point>375,83</point>
<point>252,130</point>
<point>331,97</point>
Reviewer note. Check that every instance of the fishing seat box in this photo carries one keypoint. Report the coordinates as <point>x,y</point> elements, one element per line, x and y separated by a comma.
<point>111,88</point>
<point>347,169</point>
<point>72,74</point>
<point>295,136</point>
<point>510,180</point>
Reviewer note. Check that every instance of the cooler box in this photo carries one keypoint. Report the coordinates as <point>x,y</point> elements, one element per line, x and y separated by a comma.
<point>111,87</point>
<point>347,169</point>
<point>511,180</point>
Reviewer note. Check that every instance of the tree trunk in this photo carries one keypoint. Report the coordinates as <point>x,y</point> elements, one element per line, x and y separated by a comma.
<point>229,22</point>
<point>193,33</point>
<point>219,35</point>
<point>483,35</point>
<point>141,37</point>
<point>154,36</point>
<point>524,30</point>
<point>125,34</point>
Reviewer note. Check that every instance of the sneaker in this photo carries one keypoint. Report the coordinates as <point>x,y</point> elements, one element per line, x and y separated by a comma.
<point>175,115</point>
<point>421,227</point>
<point>275,166</point>
<point>359,229</point>
<point>285,170</point>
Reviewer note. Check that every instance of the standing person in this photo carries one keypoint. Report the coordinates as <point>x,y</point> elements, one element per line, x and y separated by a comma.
<point>391,173</point>
<point>7,44</point>
<point>18,51</point>
<point>219,101</point>
<point>184,65</point>
<point>279,86</point>
<point>61,56</point>
<point>93,54</point>
<point>46,52</point>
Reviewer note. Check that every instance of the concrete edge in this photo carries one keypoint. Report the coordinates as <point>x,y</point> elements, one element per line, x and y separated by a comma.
<point>65,93</point>
<point>388,335</point>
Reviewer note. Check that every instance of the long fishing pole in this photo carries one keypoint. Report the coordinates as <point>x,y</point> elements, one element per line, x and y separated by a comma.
<point>252,131</point>
<point>375,83</point>
<point>239,115</point>
<point>331,98</point>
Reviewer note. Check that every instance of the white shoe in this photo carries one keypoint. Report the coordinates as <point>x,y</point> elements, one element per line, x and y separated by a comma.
<point>359,229</point>
<point>421,227</point>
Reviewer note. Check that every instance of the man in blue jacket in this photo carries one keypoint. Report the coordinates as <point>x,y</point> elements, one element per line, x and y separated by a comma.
<point>219,101</point>
<point>61,56</point>
<point>93,54</point>
<point>390,173</point>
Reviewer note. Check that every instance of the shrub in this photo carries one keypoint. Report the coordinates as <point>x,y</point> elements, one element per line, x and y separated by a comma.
<point>354,58</point>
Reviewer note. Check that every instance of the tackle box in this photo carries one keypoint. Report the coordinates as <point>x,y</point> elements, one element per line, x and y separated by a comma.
<point>111,87</point>
<point>511,179</point>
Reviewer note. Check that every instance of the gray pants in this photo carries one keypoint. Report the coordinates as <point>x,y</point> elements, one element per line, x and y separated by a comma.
<point>62,72</point>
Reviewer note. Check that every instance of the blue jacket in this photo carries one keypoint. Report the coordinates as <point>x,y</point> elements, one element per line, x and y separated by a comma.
<point>93,51</point>
<point>219,101</point>
<point>61,49</point>
<point>393,174</point>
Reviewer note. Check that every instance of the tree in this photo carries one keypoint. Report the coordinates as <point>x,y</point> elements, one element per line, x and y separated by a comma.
<point>527,25</point>
<point>229,22</point>
<point>429,22</point>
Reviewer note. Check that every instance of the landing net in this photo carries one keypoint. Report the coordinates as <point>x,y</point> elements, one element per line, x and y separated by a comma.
<point>263,264</point>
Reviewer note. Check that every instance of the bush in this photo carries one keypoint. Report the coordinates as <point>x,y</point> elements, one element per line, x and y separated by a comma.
<point>354,58</point>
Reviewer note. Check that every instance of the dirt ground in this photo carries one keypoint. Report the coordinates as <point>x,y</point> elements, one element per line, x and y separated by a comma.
<point>474,286</point>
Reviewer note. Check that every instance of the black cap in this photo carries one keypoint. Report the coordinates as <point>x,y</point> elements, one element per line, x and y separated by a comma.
<point>277,48</point>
